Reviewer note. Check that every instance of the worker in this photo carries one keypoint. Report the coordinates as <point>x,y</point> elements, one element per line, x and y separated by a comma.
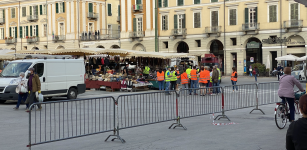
<point>202,81</point>
<point>173,79</point>
<point>185,81</point>
<point>178,78</point>
<point>146,70</point>
<point>220,74</point>
<point>234,78</point>
<point>167,80</point>
<point>188,71</point>
<point>160,78</point>
<point>194,79</point>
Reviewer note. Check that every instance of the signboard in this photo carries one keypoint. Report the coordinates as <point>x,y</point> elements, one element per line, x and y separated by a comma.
<point>275,40</point>
<point>251,59</point>
<point>253,44</point>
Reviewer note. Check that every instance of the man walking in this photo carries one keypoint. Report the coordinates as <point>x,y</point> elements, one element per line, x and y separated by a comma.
<point>167,80</point>
<point>215,77</point>
<point>34,85</point>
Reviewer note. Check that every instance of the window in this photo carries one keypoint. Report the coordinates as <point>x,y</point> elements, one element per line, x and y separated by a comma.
<point>43,9</point>
<point>35,10</point>
<point>13,32</point>
<point>252,17</point>
<point>179,2</point>
<point>212,1</point>
<point>140,24</point>
<point>165,22</point>
<point>138,1</point>
<point>24,11</point>
<point>34,31</point>
<point>197,20</point>
<point>12,12</point>
<point>91,27</point>
<point>1,33</point>
<point>90,7</point>
<point>197,43</point>
<point>232,17</point>
<point>273,13</point>
<point>214,18</point>
<point>60,7</point>
<point>196,1</point>
<point>25,31</point>
<point>39,69</point>
<point>2,13</point>
<point>165,44</point>
<point>163,3</point>
<point>234,41</point>
<point>294,11</point>
<point>109,10</point>
<point>45,30</point>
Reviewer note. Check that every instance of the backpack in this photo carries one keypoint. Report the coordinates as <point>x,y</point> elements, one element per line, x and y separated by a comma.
<point>254,72</point>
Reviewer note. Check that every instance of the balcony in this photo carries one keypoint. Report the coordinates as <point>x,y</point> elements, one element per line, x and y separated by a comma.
<point>32,39</point>
<point>137,34</point>
<point>2,20</point>
<point>59,38</point>
<point>293,24</point>
<point>91,15</point>
<point>89,38</point>
<point>32,18</point>
<point>137,7</point>
<point>252,28</point>
<point>10,41</point>
<point>110,36</point>
<point>179,32</point>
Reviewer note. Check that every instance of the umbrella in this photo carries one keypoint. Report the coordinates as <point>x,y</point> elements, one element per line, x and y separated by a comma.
<point>288,58</point>
<point>268,63</point>
<point>302,58</point>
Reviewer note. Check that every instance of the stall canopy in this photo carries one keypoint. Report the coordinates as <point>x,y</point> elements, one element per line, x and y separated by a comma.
<point>74,51</point>
<point>288,58</point>
<point>159,55</point>
<point>304,58</point>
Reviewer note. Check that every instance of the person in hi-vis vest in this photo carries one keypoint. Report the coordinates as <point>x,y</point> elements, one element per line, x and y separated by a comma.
<point>167,80</point>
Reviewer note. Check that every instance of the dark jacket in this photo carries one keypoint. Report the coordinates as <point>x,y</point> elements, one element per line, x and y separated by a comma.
<point>297,135</point>
<point>215,75</point>
<point>36,83</point>
<point>257,71</point>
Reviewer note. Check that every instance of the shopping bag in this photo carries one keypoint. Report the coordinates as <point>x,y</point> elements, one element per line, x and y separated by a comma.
<point>40,97</point>
<point>23,89</point>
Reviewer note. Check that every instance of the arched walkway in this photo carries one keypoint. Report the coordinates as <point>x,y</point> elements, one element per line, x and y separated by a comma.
<point>114,46</point>
<point>100,46</point>
<point>182,47</point>
<point>139,47</point>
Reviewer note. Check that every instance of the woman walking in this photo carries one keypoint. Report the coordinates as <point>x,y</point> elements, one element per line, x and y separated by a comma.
<point>21,89</point>
<point>160,79</point>
<point>234,78</point>
<point>285,90</point>
<point>255,72</point>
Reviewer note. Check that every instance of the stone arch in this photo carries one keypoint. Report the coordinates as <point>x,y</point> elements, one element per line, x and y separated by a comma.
<point>34,48</point>
<point>210,42</point>
<point>60,47</point>
<point>181,47</point>
<point>253,49</point>
<point>295,40</point>
<point>139,47</point>
<point>100,46</point>
<point>114,47</point>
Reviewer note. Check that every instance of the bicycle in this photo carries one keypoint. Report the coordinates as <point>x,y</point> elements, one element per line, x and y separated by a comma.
<point>282,113</point>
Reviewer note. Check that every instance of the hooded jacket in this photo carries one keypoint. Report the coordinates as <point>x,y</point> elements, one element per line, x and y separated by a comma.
<point>297,135</point>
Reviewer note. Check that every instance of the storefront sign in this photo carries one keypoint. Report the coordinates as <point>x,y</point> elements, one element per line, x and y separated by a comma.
<point>275,40</point>
<point>251,59</point>
<point>253,44</point>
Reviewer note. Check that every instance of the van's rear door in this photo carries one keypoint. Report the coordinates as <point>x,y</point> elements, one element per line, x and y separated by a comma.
<point>56,77</point>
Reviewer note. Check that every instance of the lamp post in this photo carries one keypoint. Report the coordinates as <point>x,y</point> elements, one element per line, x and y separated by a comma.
<point>156,27</point>
<point>225,38</point>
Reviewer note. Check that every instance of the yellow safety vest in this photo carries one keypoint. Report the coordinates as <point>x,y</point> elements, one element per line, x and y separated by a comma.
<point>146,70</point>
<point>188,71</point>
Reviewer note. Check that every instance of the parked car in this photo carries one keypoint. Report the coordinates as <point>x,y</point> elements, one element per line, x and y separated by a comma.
<point>59,77</point>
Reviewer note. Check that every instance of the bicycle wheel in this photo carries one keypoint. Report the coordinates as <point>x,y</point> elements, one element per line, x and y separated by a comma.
<point>297,110</point>
<point>281,117</point>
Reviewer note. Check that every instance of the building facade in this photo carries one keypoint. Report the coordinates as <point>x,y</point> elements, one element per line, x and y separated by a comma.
<point>252,29</point>
<point>30,25</point>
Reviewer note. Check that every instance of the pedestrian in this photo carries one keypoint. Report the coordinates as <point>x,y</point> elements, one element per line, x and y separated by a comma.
<point>255,73</point>
<point>234,79</point>
<point>167,80</point>
<point>297,131</point>
<point>185,81</point>
<point>21,89</point>
<point>215,79</point>
<point>173,79</point>
<point>194,79</point>
<point>210,81</point>
<point>96,34</point>
<point>280,70</point>
<point>34,85</point>
<point>250,70</point>
<point>160,79</point>
<point>285,90</point>
<point>220,74</point>
<point>203,80</point>
<point>146,70</point>
<point>178,78</point>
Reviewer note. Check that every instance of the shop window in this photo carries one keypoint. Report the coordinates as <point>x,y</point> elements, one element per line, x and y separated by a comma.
<point>165,44</point>
<point>197,43</point>
<point>234,41</point>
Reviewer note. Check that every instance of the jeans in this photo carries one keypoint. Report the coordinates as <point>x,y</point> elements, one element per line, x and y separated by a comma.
<point>197,83</point>
<point>256,77</point>
<point>173,85</point>
<point>22,97</point>
<point>194,85</point>
<point>161,85</point>
<point>291,106</point>
<point>218,84</point>
<point>215,90</point>
<point>186,86</point>
<point>234,83</point>
<point>167,86</point>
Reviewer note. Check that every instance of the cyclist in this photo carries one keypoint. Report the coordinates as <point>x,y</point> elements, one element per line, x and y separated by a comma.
<point>297,132</point>
<point>285,91</point>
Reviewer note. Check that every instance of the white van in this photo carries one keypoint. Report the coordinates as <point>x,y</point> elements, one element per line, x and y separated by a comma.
<point>59,77</point>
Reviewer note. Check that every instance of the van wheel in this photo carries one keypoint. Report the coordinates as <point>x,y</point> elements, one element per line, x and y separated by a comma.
<point>72,93</point>
<point>2,102</point>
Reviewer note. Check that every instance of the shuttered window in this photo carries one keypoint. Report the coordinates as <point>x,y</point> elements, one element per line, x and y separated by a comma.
<point>212,1</point>
<point>162,3</point>
<point>165,22</point>
<point>15,32</point>
<point>90,7</point>
<point>294,11</point>
<point>109,10</point>
<point>13,12</point>
<point>214,18</point>
<point>20,31</point>
<point>196,1</point>
<point>24,11</point>
<point>232,17</point>
<point>60,7</point>
<point>273,13</point>
<point>30,10</point>
<point>165,3</point>
<point>179,2</point>
<point>138,1</point>
<point>197,20</point>
<point>1,33</point>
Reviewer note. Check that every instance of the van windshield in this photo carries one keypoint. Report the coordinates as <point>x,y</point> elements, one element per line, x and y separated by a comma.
<point>14,68</point>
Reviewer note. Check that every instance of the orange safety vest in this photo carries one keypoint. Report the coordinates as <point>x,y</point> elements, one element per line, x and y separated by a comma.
<point>207,74</point>
<point>194,74</point>
<point>160,76</point>
<point>203,77</point>
<point>184,78</point>
<point>178,75</point>
<point>233,76</point>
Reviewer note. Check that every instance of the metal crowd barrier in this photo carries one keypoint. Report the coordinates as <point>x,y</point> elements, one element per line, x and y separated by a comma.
<point>67,119</point>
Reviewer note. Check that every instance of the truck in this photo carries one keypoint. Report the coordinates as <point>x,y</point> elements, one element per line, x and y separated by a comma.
<point>210,60</point>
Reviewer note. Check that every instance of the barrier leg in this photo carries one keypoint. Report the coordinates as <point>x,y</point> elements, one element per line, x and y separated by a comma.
<point>223,111</point>
<point>177,123</point>
<point>257,102</point>
<point>116,130</point>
